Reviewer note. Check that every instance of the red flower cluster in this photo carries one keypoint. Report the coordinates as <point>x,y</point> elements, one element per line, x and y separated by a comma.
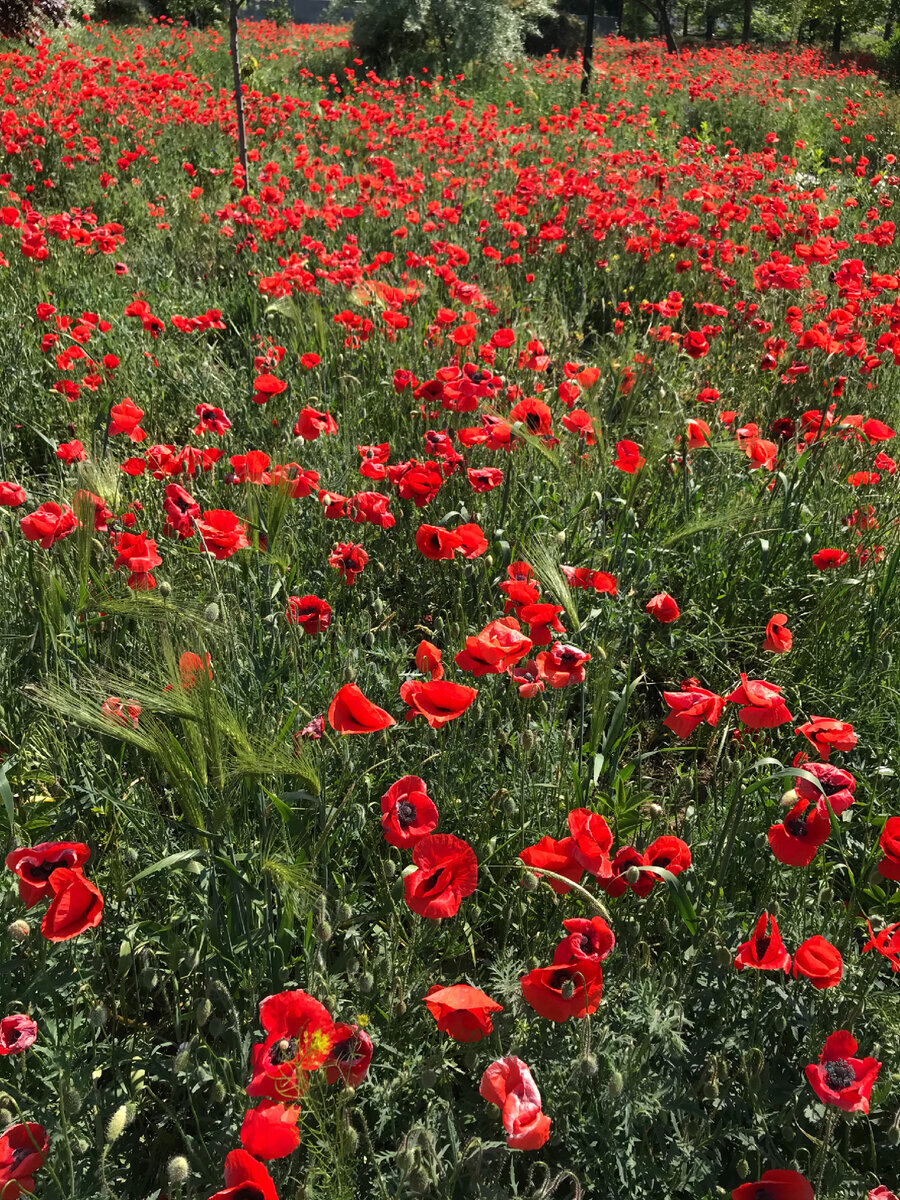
<point>53,870</point>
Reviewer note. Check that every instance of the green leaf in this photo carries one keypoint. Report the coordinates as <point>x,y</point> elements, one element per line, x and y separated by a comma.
<point>686,910</point>
<point>6,795</point>
<point>169,861</point>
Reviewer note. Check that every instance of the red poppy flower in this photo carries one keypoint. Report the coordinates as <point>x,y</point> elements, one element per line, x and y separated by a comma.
<point>796,839</point>
<point>447,872</point>
<point>825,734</point>
<point>126,418</point>
<point>765,951</point>
<point>48,524</point>
<point>137,552</point>
<point>193,669</point>
<point>349,1057</point>
<point>585,578</point>
<point>763,706</point>
<point>509,1084</point>
<point>17,1033</point>
<point>419,482</point>
<point>428,660</point>
<point>349,559</point>
<point>589,940</point>
<point>556,856</point>
<point>77,905</point>
<point>663,608</point>
<point>779,638</point>
<point>299,1033</point>
<point>567,990</point>
<point>462,1011</point>
<point>210,420</point>
<point>889,867</point>
<point>698,433</point>
<point>829,559</point>
<point>438,701</point>
<point>23,1149</point>
<point>542,619</point>
<point>880,1193</point>
<point>181,510</point>
<point>690,707</point>
<point>835,790</point>
<point>71,452</point>
<point>484,479</point>
<point>527,677</point>
<point>472,542</point>
<point>266,386</point>
<point>581,422</point>
<point>245,1179</point>
<point>35,864</point>
<point>351,712</point>
<point>407,812</point>
<point>819,962</point>
<point>435,542</point>
<point>776,1185</point>
<point>562,665</point>
<point>592,840</point>
<point>886,942</point>
<point>628,457</point>
<point>311,423</point>
<point>499,646</point>
<point>120,712</point>
<point>312,614</point>
<point>270,1130</point>
<point>12,495</point>
<point>223,533</point>
<point>841,1079</point>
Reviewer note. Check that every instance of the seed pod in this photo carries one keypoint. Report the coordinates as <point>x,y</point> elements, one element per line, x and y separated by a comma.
<point>203,1011</point>
<point>177,1170</point>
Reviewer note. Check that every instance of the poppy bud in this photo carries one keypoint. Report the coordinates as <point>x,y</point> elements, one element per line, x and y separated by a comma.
<point>710,1090</point>
<point>399,1008</point>
<point>211,613</point>
<point>561,537</point>
<point>530,882</point>
<point>893,1134</point>
<point>182,1059</point>
<point>378,606</point>
<point>419,1181</point>
<point>18,930</point>
<point>73,1102</point>
<point>6,1117</point>
<point>119,1122</point>
<point>886,661</point>
<point>177,1170</point>
<point>366,983</point>
<point>324,932</point>
<point>826,896</point>
<point>655,810</point>
<point>489,560</point>
<point>165,589</point>
<point>789,799</point>
<point>202,1012</point>
<point>528,741</point>
<point>369,639</point>
<point>723,956</point>
<point>390,868</point>
<point>148,978</point>
<point>4,538</point>
<point>588,1065</point>
<point>632,875</point>
<point>351,1137</point>
<point>510,806</point>
<point>99,1016</point>
<point>616,1085</point>
<point>742,1169</point>
<point>350,675</point>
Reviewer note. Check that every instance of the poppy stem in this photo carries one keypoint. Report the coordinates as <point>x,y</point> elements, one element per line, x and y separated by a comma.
<point>822,1156</point>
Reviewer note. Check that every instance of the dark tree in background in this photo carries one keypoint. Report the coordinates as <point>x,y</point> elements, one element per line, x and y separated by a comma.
<point>25,18</point>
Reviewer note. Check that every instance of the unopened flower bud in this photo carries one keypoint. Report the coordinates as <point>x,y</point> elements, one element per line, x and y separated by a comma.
<point>177,1170</point>
<point>211,613</point>
<point>567,991</point>
<point>164,590</point>
<point>616,1085</point>
<point>119,1122</point>
<point>18,930</point>
<point>530,882</point>
<point>588,1065</point>
<point>742,1169</point>
<point>632,875</point>
<point>789,799</point>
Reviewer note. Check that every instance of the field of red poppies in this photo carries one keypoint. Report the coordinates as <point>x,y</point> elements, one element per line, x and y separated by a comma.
<point>448,697</point>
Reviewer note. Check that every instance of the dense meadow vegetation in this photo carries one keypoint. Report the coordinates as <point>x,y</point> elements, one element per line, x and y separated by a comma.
<point>450,582</point>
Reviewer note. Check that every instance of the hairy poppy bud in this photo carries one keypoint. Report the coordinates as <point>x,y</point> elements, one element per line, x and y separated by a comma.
<point>119,1122</point>
<point>182,1059</point>
<point>350,675</point>
<point>148,978</point>
<point>886,661</point>
<point>18,930</point>
<point>419,1181</point>
<point>655,810</point>
<point>616,1085</point>
<point>211,613</point>
<point>893,1134</point>
<point>407,1159</point>
<point>177,1170</point>
<point>530,882</point>
<point>632,875</point>
<point>588,1065</point>
<point>529,741</point>
<point>567,991</point>
<point>369,639</point>
<point>561,537</point>
<point>378,606</point>
<point>6,1117</point>
<point>217,1092</point>
<point>723,956</point>
<point>220,994</point>
<point>351,1137</point>
<point>99,1016</point>
<point>399,1008</point>
<point>742,1169</point>
<point>324,932</point>
<point>789,799</point>
<point>366,983</point>
<point>344,913</point>
<point>710,1090</point>
<point>203,1011</point>
<point>165,589</point>
<point>390,868</point>
<point>73,1102</point>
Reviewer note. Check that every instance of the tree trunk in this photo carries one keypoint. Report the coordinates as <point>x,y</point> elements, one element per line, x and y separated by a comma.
<point>748,16</point>
<point>684,21</point>
<point>710,22</point>
<point>665,25</point>
<point>838,34</point>
<point>588,57</point>
<point>620,15</point>
<point>238,89</point>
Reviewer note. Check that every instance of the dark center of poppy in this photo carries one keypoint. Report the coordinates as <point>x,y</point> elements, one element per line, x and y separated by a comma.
<point>41,872</point>
<point>283,1051</point>
<point>567,658</point>
<point>248,1191</point>
<point>796,827</point>
<point>533,421</point>
<point>479,377</point>
<point>662,861</point>
<point>20,1153</point>
<point>344,1051</point>
<point>839,1074</point>
<point>587,943</point>
<point>762,945</point>
<point>831,789</point>
<point>559,979</point>
<point>763,1193</point>
<point>406,814</point>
